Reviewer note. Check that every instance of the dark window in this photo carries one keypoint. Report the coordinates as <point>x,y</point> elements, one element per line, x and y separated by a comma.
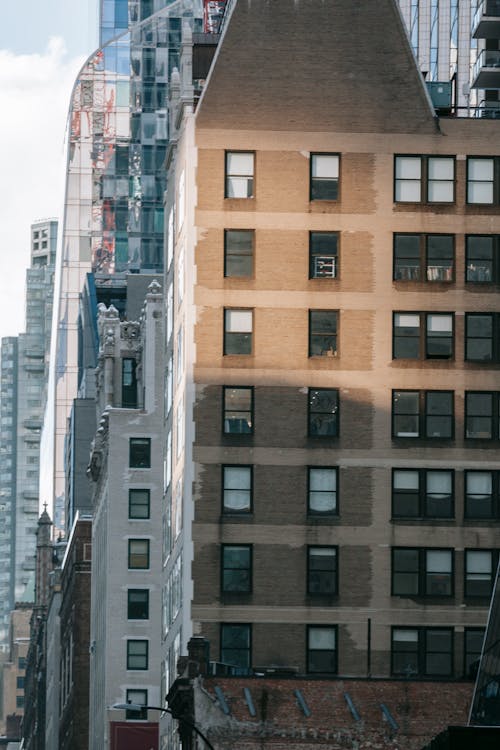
<point>138,504</point>
<point>239,174</point>
<point>129,384</point>
<point>482,415</point>
<point>140,453</point>
<point>137,654</point>
<point>480,570</point>
<point>21,662</point>
<point>473,645</point>
<point>428,179</point>
<point>236,568</point>
<point>236,489</point>
<point>482,259</point>
<point>419,257</point>
<point>238,252</point>
<point>322,570</point>
<point>323,412</point>
<point>19,701</point>
<point>422,335</point>
<point>422,414</point>
<point>235,645</point>
<point>322,490</point>
<point>138,604</point>
<point>324,177</point>
<point>238,327</point>
<point>482,337</point>
<point>323,255</point>
<point>238,410</point>
<point>422,572</point>
<point>322,649</point>
<point>138,554</point>
<point>323,333</point>
<point>20,683</point>
<point>422,652</point>
<point>422,493</point>
<point>140,698</point>
<point>482,494</point>
<point>483,180</point>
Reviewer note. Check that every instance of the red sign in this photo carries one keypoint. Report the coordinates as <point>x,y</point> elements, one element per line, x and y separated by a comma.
<point>126,735</point>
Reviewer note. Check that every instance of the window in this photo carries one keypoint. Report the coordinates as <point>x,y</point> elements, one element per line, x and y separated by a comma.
<point>19,701</point>
<point>235,645</point>
<point>138,504</point>
<point>137,654</point>
<point>322,490</point>
<point>482,337</point>
<point>480,570</point>
<point>239,174</point>
<point>238,252</point>
<point>138,554</point>
<point>322,570</point>
<point>473,646</point>
<point>322,649</point>
<point>422,414</point>
<point>238,326</point>
<point>482,415</point>
<point>482,264</point>
<point>20,683</point>
<point>428,179</point>
<point>324,177</point>
<point>482,180</point>
<point>140,698</point>
<point>422,493</point>
<point>138,604</point>
<point>419,257</point>
<point>236,568</point>
<point>236,489</point>
<point>129,384</point>
<point>422,652</point>
<point>323,412</point>
<point>482,494</point>
<point>323,255</point>
<point>238,410</point>
<point>140,453</point>
<point>21,662</point>
<point>422,335</point>
<point>422,572</point>
<point>323,333</point>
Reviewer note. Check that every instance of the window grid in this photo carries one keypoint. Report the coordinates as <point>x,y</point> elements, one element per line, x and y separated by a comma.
<point>483,180</point>
<point>419,335</point>
<point>239,169</point>
<point>238,253</point>
<point>140,453</point>
<point>424,179</point>
<point>323,255</point>
<point>322,492</point>
<point>422,652</point>
<point>322,571</point>
<point>137,654</point>
<point>480,571</point>
<point>237,484</point>
<point>422,572</point>
<point>238,410</point>
<point>482,264</point>
<point>238,330</point>
<point>324,181</point>
<point>236,645</point>
<point>321,657</point>
<point>139,504</point>
<point>482,337</point>
<point>423,414</point>
<point>138,554</point>
<point>236,568</point>
<point>422,493</point>
<point>323,326</point>
<point>323,412</point>
<point>424,257</point>
<point>482,494</point>
<point>482,415</point>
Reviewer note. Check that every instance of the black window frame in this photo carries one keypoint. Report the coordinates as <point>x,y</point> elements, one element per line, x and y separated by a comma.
<point>129,389</point>
<point>422,653</point>
<point>494,417</point>
<point>421,496</point>
<point>249,177</point>
<point>313,432</point>
<point>135,460</point>
<point>321,513</point>
<point>226,421</point>
<point>230,254</point>
<point>492,262</point>
<point>423,338</point>
<point>493,338</point>
<point>146,554</point>
<point>245,587</point>
<point>422,415</point>
<point>130,655</point>
<point>475,498</point>
<point>422,261</point>
<point>227,509</point>
<point>333,652</point>
<point>135,491</point>
<point>425,180</point>
<point>131,697</point>
<point>324,264</point>
<point>138,610</point>
<point>495,182</point>
<point>469,593</point>
<point>472,656</point>
<point>421,573</point>
<point>323,581</point>
<point>226,627</point>
<point>243,345</point>
<point>323,336</point>
<point>314,181</point>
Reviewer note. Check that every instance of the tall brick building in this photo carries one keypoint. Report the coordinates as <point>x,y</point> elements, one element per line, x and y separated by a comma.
<point>332,397</point>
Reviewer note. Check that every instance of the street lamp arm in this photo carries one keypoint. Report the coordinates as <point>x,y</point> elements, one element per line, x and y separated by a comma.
<point>163,709</point>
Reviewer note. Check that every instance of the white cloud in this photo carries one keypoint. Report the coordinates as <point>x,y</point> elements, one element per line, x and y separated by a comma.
<point>36,92</point>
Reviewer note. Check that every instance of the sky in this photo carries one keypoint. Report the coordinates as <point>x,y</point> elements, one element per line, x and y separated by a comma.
<point>43,44</point>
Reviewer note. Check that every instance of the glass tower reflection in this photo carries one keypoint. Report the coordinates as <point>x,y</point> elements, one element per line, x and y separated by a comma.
<point>118,134</point>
